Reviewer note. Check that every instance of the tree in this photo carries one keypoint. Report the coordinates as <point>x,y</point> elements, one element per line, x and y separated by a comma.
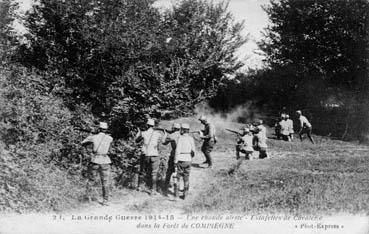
<point>7,37</point>
<point>126,59</point>
<point>325,45</point>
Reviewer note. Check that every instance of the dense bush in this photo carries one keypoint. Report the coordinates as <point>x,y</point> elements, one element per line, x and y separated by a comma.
<point>41,136</point>
<point>36,139</point>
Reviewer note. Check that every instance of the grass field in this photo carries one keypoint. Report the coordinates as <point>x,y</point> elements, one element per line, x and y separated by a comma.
<point>327,178</point>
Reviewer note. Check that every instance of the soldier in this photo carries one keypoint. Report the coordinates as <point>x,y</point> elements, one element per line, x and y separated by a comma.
<point>172,139</point>
<point>208,135</point>
<point>245,146</point>
<point>277,127</point>
<point>305,126</point>
<point>100,161</point>
<point>261,139</point>
<point>185,151</point>
<point>150,155</point>
<point>285,131</point>
<point>290,128</point>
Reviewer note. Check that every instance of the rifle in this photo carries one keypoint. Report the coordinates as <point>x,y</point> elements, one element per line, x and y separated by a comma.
<point>163,130</point>
<point>192,132</point>
<point>233,131</point>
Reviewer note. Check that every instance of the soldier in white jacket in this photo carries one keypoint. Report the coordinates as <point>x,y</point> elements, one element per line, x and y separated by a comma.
<point>305,126</point>
<point>184,153</point>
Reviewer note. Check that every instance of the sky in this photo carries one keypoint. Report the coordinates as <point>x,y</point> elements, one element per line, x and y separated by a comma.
<point>248,10</point>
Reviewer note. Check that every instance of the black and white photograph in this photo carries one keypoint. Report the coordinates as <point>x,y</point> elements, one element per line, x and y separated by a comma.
<point>184,116</point>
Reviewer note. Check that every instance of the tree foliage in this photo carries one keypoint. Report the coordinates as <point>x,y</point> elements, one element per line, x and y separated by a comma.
<point>319,51</point>
<point>126,59</point>
<point>7,34</point>
<point>325,39</point>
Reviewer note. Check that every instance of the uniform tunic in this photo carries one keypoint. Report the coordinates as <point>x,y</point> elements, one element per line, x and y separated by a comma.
<point>100,161</point>
<point>101,144</point>
<point>184,152</point>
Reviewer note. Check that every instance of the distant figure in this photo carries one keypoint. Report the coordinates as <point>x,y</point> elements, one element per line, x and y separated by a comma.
<point>150,159</point>
<point>285,130</point>
<point>172,139</point>
<point>305,126</point>
<point>277,127</point>
<point>100,162</point>
<point>245,146</point>
<point>261,139</point>
<point>208,135</point>
<point>185,151</point>
<point>290,128</point>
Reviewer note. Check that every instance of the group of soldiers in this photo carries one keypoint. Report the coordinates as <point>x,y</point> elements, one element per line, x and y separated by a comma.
<point>182,151</point>
<point>179,162</point>
<point>284,128</point>
<point>253,137</point>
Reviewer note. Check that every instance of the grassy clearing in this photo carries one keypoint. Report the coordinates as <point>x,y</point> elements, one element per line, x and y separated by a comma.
<point>330,177</point>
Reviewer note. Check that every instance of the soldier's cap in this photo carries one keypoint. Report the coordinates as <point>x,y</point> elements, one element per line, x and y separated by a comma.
<point>176,125</point>
<point>151,122</point>
<point>299,112</point>
<point>287,116</point>
<point>202,118</point>
<point>185,126</point>
<point>103,125</point>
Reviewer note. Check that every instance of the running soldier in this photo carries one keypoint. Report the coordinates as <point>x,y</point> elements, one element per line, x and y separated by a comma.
<point>245,146</point>
<point>150,160</point>
<point>100,161</point>
<point>305,126</point>
<point>185,151</point>
<point>172,139</point>
<point>208,135</point>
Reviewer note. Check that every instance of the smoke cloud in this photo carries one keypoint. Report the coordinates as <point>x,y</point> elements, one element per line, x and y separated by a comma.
<point>241,114</point>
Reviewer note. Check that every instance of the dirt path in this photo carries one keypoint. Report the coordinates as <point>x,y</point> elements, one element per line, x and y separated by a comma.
<point>128,201</point>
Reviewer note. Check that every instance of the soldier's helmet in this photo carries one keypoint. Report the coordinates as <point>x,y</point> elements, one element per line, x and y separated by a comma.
<point>283,116</point>
<point>150,122</point>
<point>176,126</point>
<point>299,112</point>
<point>287,116</point>
<point>103,125</point>
<point>185,126</point>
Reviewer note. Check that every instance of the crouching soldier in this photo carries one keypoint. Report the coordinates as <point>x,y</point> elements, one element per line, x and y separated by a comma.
<point>150,159</point>
<point>185,151</point>
<point>172,139</point>
<point>245,146</point>
<point>100,161</point>
<point>261,139</point>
